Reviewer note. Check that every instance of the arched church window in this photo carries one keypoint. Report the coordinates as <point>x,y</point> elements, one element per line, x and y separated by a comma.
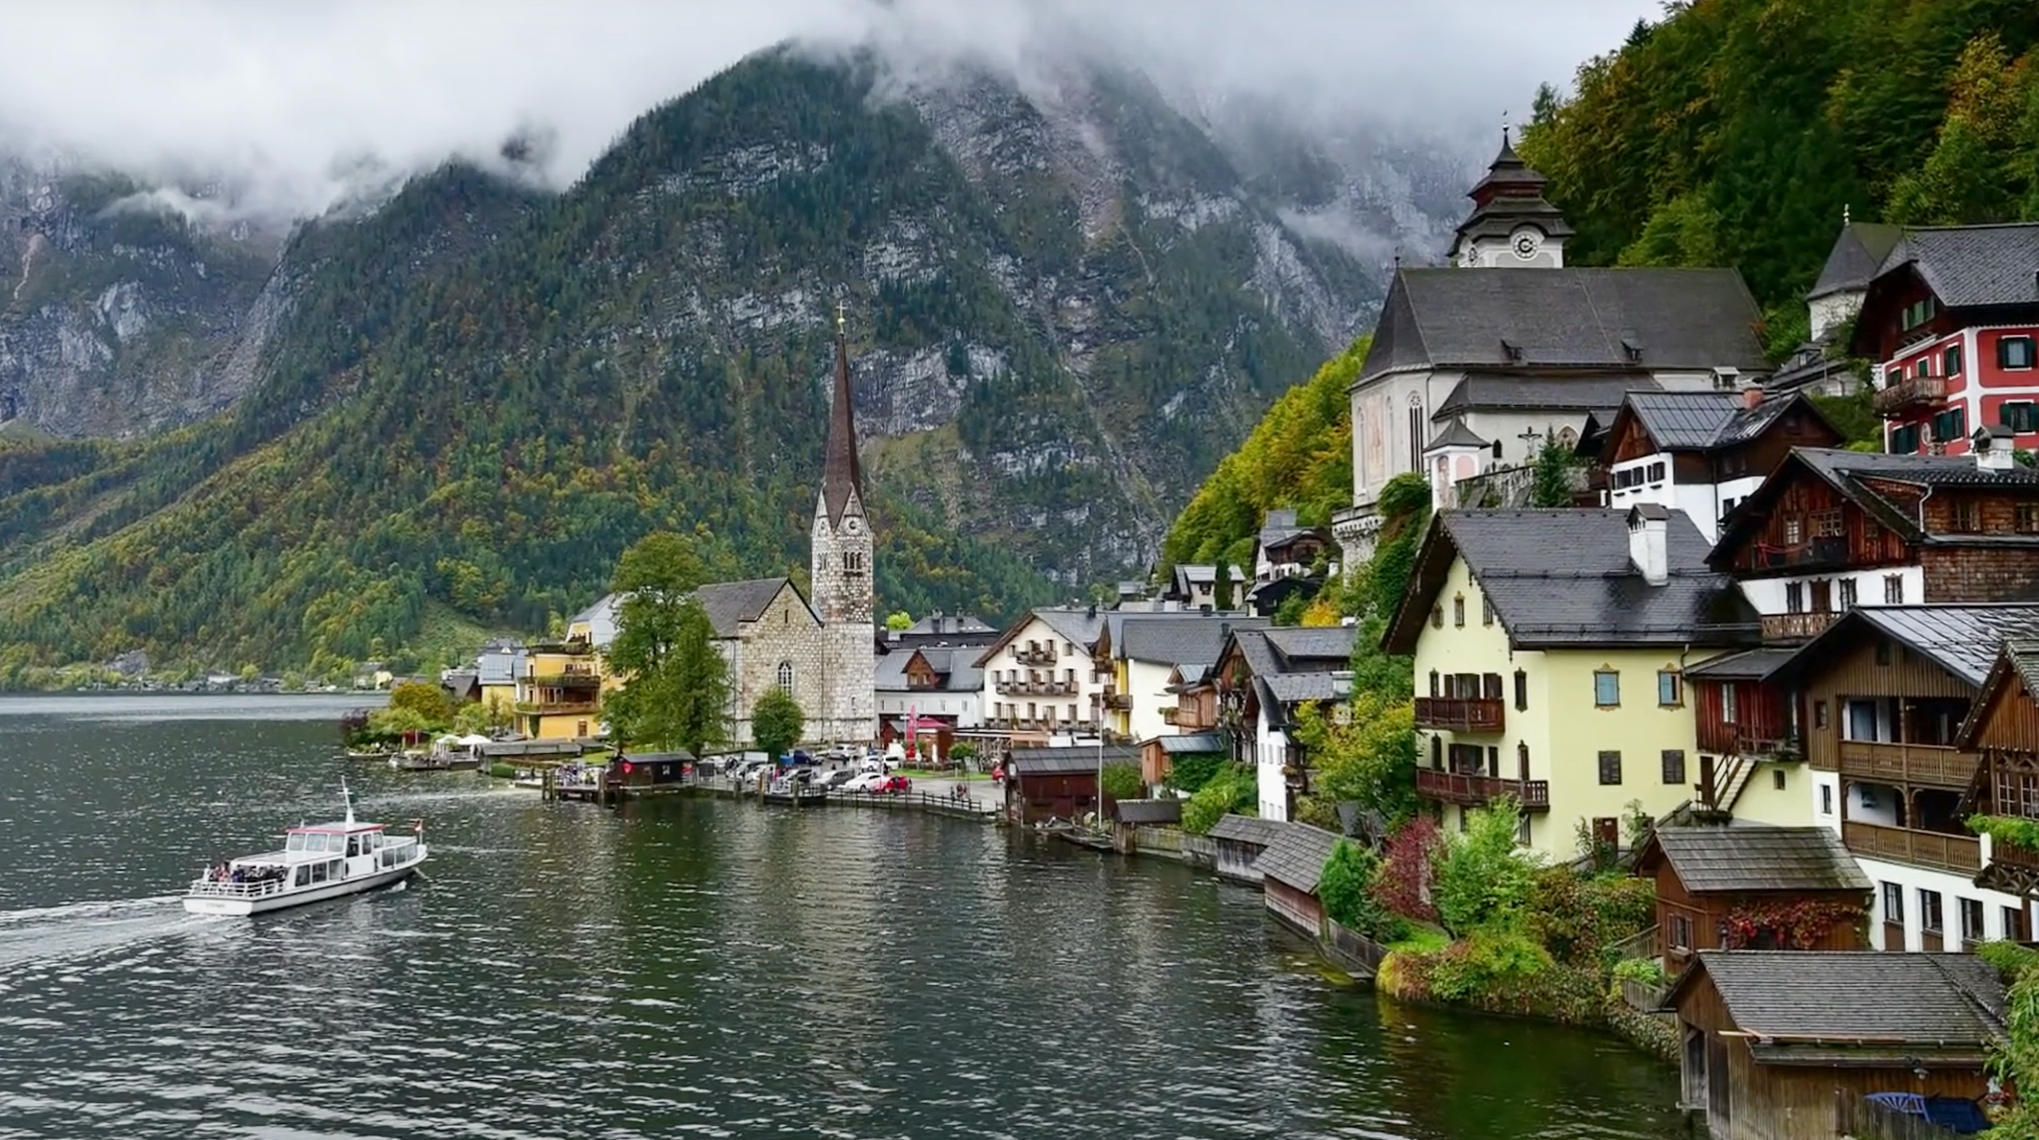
<point>786,675</point>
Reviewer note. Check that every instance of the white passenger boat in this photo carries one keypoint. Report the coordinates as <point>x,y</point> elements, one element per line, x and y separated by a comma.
<point>318,861</point>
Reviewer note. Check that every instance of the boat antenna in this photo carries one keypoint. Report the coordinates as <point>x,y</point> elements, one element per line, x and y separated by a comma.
<point>349,797</point>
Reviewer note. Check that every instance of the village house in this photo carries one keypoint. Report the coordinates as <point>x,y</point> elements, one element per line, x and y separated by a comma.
<point>1194,586</point>
<point>1781,1045</point>
<point>2003,729</point>
<point>1886,690</point>
<point>559,696</point>
<point>1952,320</point>
<point>939,629</point>
<point>1830,530</point>
<point>1144,650</point>
<point>1262,679</point>
<point>1042,678</point>
<point>1474,367</point>
<point>1753,887</point>
<point>1550,651</point>
<point>938,687</point>
<point>1703,452</point>
<point>1751,751</point>
<point>498,668</point>
<point>1159,754</point>
<point>1289,561</point>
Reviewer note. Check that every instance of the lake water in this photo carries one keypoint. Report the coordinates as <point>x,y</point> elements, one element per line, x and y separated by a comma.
<point>684,967</point>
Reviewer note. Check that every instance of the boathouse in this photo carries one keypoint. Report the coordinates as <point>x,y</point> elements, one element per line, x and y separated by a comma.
<point>644,769</point>
<point>1752,886</point>
<point>1776,1044</point>
<point>1239,840</point>
<point>1289,871</point>
<point>1058,783</point>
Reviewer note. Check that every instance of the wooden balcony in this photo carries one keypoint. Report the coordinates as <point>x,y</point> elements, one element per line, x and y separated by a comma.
<point>1169,714</point>
<point>1024,688</point>
<point>1036,655</point>
<point>573,679</point>
<point>1475,790</point>
<point>1918,391</point>
<point>1456,714</point>
<point>1961,854</point>
<point>556,708</point>
<point>1118,701</point>
<point>1796,627</point>
<point>1921,765</point>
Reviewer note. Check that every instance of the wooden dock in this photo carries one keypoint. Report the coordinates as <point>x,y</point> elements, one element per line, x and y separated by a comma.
<point>610,792</point>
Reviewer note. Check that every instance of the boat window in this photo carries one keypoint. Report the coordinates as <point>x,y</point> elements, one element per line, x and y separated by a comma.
<point>318,872</point>
<point>333,870</point>
<point>353,847</point>
<point>304,874</point>
<point>294,843</point>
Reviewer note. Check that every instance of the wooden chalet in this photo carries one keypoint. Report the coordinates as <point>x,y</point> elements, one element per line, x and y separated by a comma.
<point>1755,887</point>
<point>1240,840</point>
<point>1059,783</point>
<point>1196,698</point>
<point>1778,1045</point>
<point>2003,729</point>
<point>1886,690</point>
<point>1289,869</point>
<point>1747,717</point>
<point>1830,530</point>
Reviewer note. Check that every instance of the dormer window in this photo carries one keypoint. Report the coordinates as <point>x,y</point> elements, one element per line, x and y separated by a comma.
<point>1511,350</point>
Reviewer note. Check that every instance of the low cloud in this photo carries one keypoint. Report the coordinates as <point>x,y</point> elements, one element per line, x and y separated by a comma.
<point>287,109</point>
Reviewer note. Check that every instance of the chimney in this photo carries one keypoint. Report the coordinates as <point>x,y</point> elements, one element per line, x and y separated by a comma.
<point>1993,448</point>
<point>1752,397</point>
<point>1649,526</point>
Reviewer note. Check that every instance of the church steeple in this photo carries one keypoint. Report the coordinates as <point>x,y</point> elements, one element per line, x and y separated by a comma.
<point>842,476</point>
<point>1511,223</point>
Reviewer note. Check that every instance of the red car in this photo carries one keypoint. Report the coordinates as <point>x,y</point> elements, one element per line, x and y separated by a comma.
<point>895,784</point>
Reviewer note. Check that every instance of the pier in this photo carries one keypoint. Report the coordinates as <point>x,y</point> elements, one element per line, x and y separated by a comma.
<point>611,792</point>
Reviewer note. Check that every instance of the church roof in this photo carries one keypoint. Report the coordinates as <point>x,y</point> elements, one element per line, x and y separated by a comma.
<point>1457,434</point>
<point>1627,319</point>
<point>842,475</point>
<point>1510,195</point>
<point>1857,254</point>
<point>730,604</point>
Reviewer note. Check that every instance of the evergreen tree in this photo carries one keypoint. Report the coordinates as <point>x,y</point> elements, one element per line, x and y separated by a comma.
<point>1552,485</point>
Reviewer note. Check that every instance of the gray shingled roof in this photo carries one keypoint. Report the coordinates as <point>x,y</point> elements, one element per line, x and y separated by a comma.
<point>1248,829</point>
<point>1600,394</point>
<point>1869,998</point>
<point>1280,526</point>
<point>731,603</point>
<point>1857,254</point>
<point>1962,639</point>
<point>1758,857</point>
<point>1678,318</point>
<point>1297,856</point>
<point>1302,645</point>
<point>1456,434</point>
<point>1564,578</point>
<point>1174,638</point>
<point>1702,421</point>
<point>2018,659</point>
<point>1149,812</point>
<point>1970,266</point>
<point>1748,665</point>
<point>1192,744</point>
<point>1080,627</point>
<point>1294,688</point>
<point>1061,761</point>
<point>956,665</point>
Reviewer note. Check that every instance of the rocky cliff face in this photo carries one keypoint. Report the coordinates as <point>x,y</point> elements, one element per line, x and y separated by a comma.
<point>1066,304</point>
<point>118,317</point>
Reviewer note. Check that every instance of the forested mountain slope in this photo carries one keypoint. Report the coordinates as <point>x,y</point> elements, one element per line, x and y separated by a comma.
<point>471,399</point>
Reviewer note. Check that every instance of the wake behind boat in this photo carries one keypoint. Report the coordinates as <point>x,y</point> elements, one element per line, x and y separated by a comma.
<point>318,861</point>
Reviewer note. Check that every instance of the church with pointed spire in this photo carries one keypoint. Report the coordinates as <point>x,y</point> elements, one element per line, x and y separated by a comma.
<point>840,570</point>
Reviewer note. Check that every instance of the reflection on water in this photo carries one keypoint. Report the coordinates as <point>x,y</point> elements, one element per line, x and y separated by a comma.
<point>564,970</point>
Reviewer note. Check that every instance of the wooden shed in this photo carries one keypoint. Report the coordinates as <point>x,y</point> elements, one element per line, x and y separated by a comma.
<point>1778,1045</point>
<point>1289,871</point>
<point>1157,755</point>
<point>1752,886</point>
<point>1239,840</point>
<point>1059,783</point>
<point>643,769</point>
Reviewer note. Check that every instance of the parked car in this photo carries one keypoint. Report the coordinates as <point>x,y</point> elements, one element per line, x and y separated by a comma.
<point>864,782</point>
<point>836,778</point>
<point>895,784</point>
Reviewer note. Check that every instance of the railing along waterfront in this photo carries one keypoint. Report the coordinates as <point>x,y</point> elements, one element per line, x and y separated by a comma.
<point>1959,853</point>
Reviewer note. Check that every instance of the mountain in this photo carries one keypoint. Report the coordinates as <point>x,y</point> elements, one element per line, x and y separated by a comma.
<point>451,412</point>
<point>1741,132</point>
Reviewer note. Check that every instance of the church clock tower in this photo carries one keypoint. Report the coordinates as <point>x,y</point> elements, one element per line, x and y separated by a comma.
<point>841,569</point>
<point>1511,225</point>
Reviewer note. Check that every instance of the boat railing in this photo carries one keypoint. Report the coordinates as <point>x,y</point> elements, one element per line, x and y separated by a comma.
<point>229,889</point>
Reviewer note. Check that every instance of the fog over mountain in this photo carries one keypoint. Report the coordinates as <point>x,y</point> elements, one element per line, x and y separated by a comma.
<point>286,109</point>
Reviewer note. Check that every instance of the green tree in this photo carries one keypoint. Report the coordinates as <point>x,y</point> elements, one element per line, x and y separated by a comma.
<point>1551,485</point>
<point>898,621</point>
<point>1346,888</point>
<point>776,722</point>
<point>1123,782</point>
<point>427,700</point>
<point>472,719</point>
<point>1367,757</point>
<point>676,686</point>
<point>1482,879</point>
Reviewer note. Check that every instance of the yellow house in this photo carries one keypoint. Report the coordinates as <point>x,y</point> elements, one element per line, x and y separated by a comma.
<point>1550,648</point>
<point>559,692</point>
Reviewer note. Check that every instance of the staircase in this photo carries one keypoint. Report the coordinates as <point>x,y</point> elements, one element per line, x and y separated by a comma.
<point>1731,781</point>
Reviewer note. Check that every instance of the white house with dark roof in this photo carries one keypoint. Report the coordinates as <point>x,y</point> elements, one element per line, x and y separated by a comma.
<point>1145,650</point>
<point>1041,676</point>
<point>937,681</point>
<point>1522,355</point>
<point>1264,676</point>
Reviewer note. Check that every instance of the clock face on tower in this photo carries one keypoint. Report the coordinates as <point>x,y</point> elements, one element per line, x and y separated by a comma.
<point>851,525</point>
<point>1526,243</point>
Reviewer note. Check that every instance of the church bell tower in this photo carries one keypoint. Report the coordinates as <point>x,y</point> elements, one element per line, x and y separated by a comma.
<point>840,571</point>
<point>1511,226</point>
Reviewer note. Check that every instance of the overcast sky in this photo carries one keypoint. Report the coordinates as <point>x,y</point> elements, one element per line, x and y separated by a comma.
<point>286,95</point>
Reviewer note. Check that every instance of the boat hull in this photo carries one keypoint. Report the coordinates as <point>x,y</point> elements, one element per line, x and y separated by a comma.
<point>281,900</point>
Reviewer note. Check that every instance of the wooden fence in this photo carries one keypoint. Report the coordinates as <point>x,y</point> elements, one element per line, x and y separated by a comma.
<point>1353,950</point>
<point>1643,996</point>
<point>1644,943</point>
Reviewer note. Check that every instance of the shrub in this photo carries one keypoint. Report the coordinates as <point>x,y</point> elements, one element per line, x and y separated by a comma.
<point>1575,916</point>
<point>1402,884</point>
<point>1480,877</point>
<point>1188,774</point>
<point>1231,791</point>
<point>1122,782</point>
<point>1488,959</point>
<point>1649,971</point>
<point>2010,959</point>
<point>1345,890</point>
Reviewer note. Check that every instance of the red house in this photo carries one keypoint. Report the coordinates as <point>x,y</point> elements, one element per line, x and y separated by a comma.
<point>1952,318</point>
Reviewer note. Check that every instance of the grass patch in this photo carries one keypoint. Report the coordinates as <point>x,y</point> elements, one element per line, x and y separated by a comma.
<point>1421,940</point>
